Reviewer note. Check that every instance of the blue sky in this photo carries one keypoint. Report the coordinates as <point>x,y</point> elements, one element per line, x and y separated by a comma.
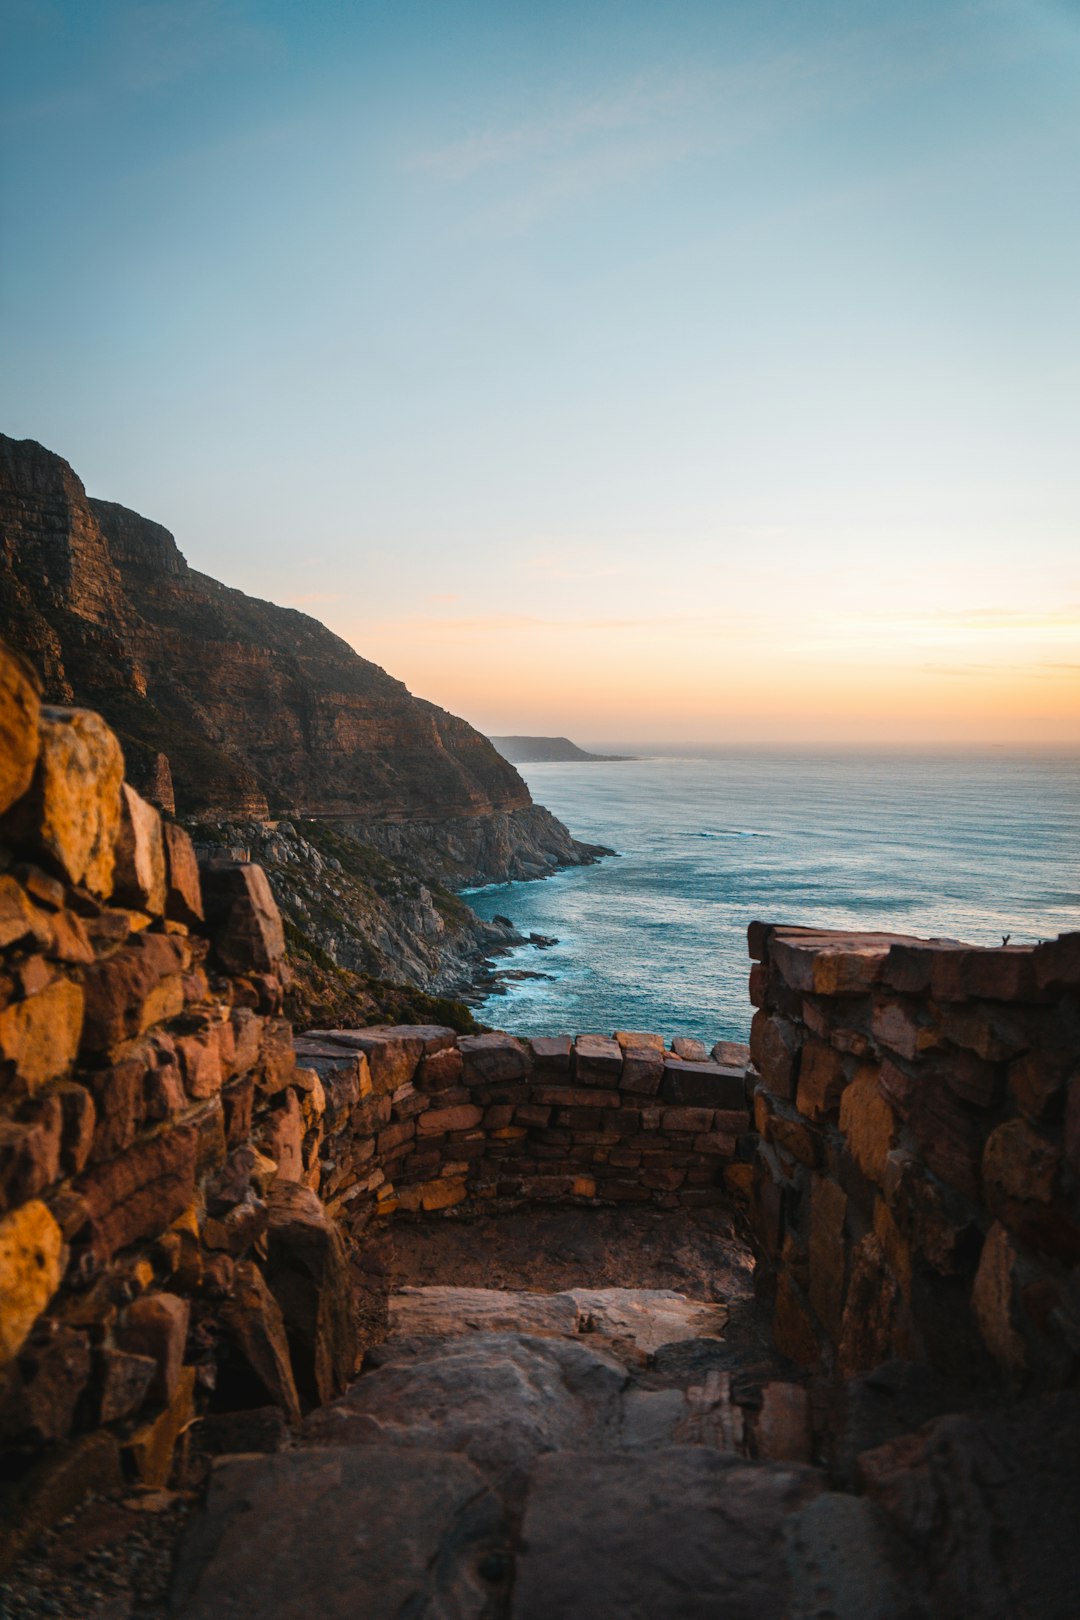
<point>700,371</point>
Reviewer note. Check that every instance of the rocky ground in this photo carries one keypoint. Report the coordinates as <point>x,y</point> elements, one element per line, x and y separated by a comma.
<point>566,1412</point>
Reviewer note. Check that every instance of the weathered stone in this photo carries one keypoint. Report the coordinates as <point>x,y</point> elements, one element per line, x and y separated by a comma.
<point>642,1070</point>
<point>783,1430</point>
<point>257,1337</point>
<point>988,1502</point>
<point>20,710</point>
<point>687,1119</point>
<point>29,1156</point>
<point>828,1255</point>
<point>22,924</point>
<point>39,1037</point>
<point>123,1380</point>
<point>308,1272</point>
<point>138,986</point>
<point>39,1390</point>
<point>821,1080</point>
<point>696,1533</point>
<point>949,1137</point>
<point>867,1331</point>
<point>706,1085</point>
<point>139,1193</point>
<point>70,814</point>
<point>440,1071</point>
<point>280,1537</point>
<point>491,1058</point>
<point>281,1136</point>
<point>31,1266</point>
<point>156,1326</point>
<point>597,1060</point>
<point>242,917</point>
<point>575,1097</point>
<point>183,886</point>
<point>868,1123</point>
<point>139,875</point>
<point>436,1120</point>
<point>152,1447</point>
<point>53,1487</point>
<point>775,1043</point>
<point>694,1051</point>
<point>551,1053</point>
<point>793,1324</point>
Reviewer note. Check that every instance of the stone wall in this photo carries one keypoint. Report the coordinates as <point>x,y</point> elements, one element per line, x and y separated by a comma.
<point>163,1252</point>
<point>917,1173</point>
<point>436,1119</point>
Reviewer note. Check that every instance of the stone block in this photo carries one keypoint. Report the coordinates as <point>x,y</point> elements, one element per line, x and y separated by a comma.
<point>308,1272</point>
<point>140,1192</point>
<point>692,1050</point>
<point>551,1053</point>
<point>183,886</point>
<point>687,1119</point>
<point>441,1071</point>
<point>597,1060</point>
<point>31,1266</point>
<point>775,1043</point>
<point>258,1366</point>
<point>642,1070</point>
<point>822,1080</point>
<point>868,1329</point>
<point>867,1123</point>
<point>156,1326</point>
<point>138,986</point>
<point>949,1137</point>
<point>449,1119</point>
<point>242,917</point>
<point>150,1450</point>
<point>575,1097</point>
<point>828,1253</point>
<point>783,1430</point>
<point>139,872</point>
<point>1057,963</point>
<point>122,1382</point>
<point>21,923</point>
<point>70,814</point>
<point>40,1037</point>
<point>29,1156</point>
<point>703,1085</point>
<point>491,1059</point>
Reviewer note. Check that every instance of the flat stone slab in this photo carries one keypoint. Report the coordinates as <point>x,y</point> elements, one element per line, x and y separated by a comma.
<point>684,1533</point>
<point>502,1399</point>
<point>377,1534</point>
<point>644,1317</point>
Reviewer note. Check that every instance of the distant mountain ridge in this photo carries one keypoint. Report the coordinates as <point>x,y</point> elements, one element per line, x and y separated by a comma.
<point>545,750</point>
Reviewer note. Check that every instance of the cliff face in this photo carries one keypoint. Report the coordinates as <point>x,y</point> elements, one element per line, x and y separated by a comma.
<point>259,710</point>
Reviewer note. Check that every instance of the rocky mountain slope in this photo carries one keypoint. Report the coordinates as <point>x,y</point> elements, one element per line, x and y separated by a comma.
<point>233,709</point>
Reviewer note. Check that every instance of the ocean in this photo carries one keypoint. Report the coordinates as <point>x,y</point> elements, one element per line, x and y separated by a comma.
<point>969,847</point>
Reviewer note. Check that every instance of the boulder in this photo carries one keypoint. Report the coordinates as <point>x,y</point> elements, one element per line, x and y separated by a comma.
<point>255,1329</point>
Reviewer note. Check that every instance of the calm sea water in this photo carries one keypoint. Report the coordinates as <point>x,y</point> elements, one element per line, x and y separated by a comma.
<point>970,848</point>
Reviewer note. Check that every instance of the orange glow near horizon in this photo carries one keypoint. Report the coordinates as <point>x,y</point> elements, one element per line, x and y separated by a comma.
<point>969,680</point>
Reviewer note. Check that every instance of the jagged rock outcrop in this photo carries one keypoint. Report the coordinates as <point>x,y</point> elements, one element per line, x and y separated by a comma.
<point>260,710</point>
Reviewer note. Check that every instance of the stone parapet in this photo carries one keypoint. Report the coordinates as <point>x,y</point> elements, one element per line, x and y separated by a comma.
<point>916,1184</point>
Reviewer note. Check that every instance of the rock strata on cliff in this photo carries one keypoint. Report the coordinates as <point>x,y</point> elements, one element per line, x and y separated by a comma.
<point>230,708</point>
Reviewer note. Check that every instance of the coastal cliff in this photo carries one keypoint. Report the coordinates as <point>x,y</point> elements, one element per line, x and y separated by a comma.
<point>235,710</point>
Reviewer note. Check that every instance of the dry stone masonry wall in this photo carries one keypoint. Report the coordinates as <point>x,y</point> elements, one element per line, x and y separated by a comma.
<point>918,1165</point>
<point>163,1250</point>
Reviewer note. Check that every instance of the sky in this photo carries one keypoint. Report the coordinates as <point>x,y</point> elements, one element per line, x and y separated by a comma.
<point>692,372</point>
